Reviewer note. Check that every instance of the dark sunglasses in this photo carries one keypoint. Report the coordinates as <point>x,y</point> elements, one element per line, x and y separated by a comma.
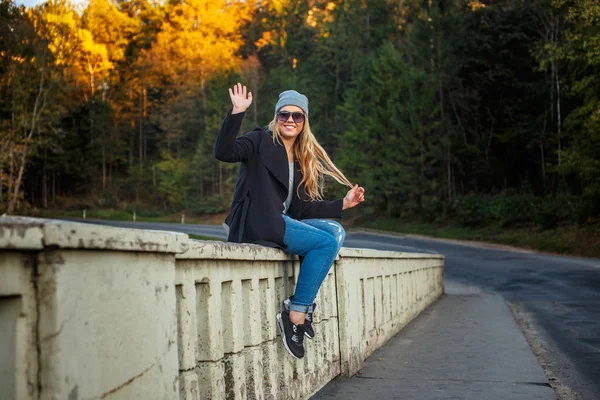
<point>283,116</point>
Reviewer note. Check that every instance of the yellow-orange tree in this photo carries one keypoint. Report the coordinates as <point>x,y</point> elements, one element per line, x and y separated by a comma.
<point>197,42</point>
<point>34,64</point>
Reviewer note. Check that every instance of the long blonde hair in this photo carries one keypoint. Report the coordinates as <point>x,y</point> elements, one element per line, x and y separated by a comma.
<point>314,161</point>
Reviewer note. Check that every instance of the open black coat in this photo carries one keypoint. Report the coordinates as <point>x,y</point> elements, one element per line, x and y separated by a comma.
<point>262,186</point>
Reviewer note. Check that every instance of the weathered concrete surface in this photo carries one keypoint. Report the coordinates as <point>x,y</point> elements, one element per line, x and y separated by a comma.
<point>107,325</point>
<point>87,311</point>
<point>466,346</point>
<point>38,233</point>
<point>228,296</point>
<point>216,250</point>
<point>227,299</point>
<point>18,316</point>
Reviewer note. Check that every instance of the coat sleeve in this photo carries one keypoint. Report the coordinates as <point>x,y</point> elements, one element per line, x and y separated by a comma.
<point>228,148</point>
<point>322,209</point>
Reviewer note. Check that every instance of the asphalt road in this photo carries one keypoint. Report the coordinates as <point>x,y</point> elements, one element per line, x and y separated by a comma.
<point>556,298</point>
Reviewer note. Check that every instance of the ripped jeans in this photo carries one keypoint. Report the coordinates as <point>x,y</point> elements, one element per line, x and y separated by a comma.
<point>318,241</point>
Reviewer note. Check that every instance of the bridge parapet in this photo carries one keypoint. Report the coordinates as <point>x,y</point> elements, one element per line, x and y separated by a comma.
<point>100,312</point>
<point>227,297</point>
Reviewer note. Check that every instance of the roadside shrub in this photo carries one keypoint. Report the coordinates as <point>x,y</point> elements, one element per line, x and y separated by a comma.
<point>79,204</point>
<point>107,200</point>
<point>150,212</point>
<point>469,210</point>
<point>561,209</point>
<point>517,209</point>
<point>208,205</point>
<point>432,209</point>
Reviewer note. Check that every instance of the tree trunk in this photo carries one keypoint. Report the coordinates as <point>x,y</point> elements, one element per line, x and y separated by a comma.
<point>154,175</point>
<point>141,144</point>
<point>462,128</point>
<point>132,126</point>
<point>45,181</point>
<point>203,98</point>
<point>541,142</point>
<point>13,201</point>
<point>558,119</point>
<point>543,164</point>
<point>103,167</point>
<point>442,112</point>
<point>10,174</point>
<point>38,107</point>
<point>53,187</point>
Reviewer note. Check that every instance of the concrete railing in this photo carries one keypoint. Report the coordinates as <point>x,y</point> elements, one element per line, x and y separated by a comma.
<point>227,299</point>
<point>89,311</point>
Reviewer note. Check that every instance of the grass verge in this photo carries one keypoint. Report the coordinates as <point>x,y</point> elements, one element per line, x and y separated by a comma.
<point>200,237</point>
<point>578,241</point>
<point>123,215</point>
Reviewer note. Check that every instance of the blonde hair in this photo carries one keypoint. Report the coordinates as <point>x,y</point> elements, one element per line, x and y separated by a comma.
<point>315,164</point>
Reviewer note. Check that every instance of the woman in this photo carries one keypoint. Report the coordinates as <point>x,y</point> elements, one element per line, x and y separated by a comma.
<point>278,199</point>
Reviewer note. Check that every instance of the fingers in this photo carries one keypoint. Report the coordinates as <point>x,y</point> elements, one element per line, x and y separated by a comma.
<point>359,193</point>
<point>240,90</point>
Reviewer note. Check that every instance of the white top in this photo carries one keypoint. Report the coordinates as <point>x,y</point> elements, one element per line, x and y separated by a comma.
<point>288,201</point>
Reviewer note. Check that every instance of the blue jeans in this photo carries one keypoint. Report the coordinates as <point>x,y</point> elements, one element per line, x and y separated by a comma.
<point>318,241</point>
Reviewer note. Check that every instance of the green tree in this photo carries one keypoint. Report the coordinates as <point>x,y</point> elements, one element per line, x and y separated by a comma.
<point>581,49</point>
<point>391,134</point>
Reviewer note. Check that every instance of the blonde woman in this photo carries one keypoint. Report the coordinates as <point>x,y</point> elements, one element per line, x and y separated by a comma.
<point>278,199</point>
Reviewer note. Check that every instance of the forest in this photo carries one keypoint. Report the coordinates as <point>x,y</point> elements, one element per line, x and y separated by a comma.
<point>477,112</point>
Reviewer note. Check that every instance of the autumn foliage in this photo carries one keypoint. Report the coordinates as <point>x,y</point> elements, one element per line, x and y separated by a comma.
<point>474,110</point>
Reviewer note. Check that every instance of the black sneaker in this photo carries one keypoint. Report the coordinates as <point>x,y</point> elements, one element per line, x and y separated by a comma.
<point>291,334</point>
<point>309,332</point>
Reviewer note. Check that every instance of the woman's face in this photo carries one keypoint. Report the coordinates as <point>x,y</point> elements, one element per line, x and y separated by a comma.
<point>290,129</point>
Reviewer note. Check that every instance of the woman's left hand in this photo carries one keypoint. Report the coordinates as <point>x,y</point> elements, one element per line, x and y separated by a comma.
<point>354,196</point>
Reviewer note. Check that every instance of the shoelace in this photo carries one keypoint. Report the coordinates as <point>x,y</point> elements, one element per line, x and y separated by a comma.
<point>294,336</point>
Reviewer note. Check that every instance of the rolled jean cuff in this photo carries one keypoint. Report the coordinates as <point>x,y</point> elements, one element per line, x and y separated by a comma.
<point>300,308</point>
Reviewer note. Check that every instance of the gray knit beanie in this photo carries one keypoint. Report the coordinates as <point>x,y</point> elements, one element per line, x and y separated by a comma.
<point>292,98</point>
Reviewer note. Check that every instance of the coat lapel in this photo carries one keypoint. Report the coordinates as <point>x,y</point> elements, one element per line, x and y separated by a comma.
<point>274,157</point>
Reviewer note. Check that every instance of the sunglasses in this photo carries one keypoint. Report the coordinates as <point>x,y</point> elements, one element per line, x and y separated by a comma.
<point>283,116</point>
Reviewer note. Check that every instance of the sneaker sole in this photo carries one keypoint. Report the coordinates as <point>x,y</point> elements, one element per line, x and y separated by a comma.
<point>280,326</point>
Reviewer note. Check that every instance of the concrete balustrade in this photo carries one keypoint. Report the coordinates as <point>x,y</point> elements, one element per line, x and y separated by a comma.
<point>227,299</point>
<point>89,311</point>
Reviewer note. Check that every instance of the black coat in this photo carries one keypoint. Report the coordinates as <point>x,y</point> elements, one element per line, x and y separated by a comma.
<point>262,186</point>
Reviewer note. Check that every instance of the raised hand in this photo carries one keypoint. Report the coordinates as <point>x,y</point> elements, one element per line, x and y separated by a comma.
<point>354,196</point>
<point>239,99</point>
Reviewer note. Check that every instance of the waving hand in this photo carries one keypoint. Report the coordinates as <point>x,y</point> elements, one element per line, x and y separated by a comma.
<point>240,100</point>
